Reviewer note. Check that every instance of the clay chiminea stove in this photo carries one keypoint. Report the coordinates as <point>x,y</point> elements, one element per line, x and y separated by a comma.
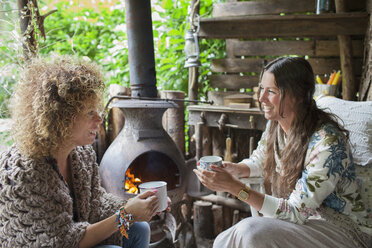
<point>143,151</point>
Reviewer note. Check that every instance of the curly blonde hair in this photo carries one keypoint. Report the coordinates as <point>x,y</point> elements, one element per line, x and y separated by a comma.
<point>50,94</point>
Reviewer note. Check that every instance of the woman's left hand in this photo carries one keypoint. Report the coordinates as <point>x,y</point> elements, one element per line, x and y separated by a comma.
<point>217,180</point>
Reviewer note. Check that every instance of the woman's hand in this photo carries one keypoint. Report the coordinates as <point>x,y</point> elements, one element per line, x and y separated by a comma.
<point>169,204</point>
<point>168,207</point>
<point>143,207</point>
<point>217,180</point>
<point>239,170</point>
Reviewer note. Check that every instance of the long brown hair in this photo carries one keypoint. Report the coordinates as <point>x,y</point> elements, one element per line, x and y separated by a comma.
<point>293,77</point>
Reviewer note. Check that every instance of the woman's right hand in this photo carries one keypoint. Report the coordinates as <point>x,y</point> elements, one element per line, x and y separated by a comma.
<point>236,169</point>
<point>143,207</point>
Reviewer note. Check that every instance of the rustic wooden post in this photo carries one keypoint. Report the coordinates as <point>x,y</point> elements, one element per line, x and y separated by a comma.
<point>235,217</point>
<point>199,140</point>
<point>115,119</point>
<point>365,88</point>
<point>203,219</point>
<point>193,90</point>
<point>174,118</point>
<point>207,141</point>
<point>115,122</point>
<point>217,219</point>
<point>218,142</point>
<point>227,217</point>
<point>101,142</point>
<point>193,71</point>
<point>346,59</point>
<point>193,84</point>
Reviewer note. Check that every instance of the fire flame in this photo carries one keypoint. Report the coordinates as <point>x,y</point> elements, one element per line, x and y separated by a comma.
<point>131,182</point>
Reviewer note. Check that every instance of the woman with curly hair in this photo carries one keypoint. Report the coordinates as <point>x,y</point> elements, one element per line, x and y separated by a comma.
<point>50,187</point>
<point>304,156</point>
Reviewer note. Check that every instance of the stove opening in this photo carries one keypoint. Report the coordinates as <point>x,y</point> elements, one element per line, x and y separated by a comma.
<point>151,166</point>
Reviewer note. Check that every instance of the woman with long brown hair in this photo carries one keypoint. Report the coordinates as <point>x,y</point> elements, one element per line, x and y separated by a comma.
<point>304,156</point>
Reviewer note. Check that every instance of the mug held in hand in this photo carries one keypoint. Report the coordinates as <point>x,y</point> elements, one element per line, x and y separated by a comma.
<point>206,161</point>
<point>161,193</point>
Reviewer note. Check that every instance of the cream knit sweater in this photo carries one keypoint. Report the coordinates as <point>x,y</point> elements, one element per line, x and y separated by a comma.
<point>36,209</point>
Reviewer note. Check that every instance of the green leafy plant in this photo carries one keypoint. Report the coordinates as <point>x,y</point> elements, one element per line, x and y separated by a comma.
<point>100,34</point>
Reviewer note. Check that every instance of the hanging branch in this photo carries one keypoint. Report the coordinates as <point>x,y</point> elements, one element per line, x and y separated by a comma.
<point>31,22</point>
<point>27,31</point>
<point>40,18</point>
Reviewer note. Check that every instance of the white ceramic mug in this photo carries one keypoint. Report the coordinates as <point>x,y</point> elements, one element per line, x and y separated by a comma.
<point>161,193</point>
<point>206,161</point>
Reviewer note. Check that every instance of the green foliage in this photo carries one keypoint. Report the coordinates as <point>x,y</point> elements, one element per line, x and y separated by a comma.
<point>9,53</point>
<point>101,36</point>
<point>98,35</point>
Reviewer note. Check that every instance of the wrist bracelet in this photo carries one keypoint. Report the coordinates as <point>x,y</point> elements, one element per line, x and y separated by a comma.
<point>123,220</point>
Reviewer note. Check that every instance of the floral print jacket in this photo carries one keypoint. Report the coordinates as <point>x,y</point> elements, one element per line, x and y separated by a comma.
<point>327,188</point>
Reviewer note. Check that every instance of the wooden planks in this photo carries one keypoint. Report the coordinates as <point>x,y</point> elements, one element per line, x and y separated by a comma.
<point>320,65</point>
<point>271,7</point>
<point>292,47</point>
<point>272,48</point>
<point>233,81</point>
<point>264,22</point>
<point>332,48</point>
<point>236,65</point>
<point>263,7</point>
<point>284,26</point>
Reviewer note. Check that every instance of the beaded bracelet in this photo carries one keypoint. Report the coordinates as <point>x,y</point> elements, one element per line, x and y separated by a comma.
<point>123,221</point>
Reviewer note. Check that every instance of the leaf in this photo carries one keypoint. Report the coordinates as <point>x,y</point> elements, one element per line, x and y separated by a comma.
<point>311,187</point>
<point>174,32</point>
<point>167,4</point>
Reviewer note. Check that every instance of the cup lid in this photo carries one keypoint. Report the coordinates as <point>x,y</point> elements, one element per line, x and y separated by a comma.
<point>152,185</point>
<point>211,159</point>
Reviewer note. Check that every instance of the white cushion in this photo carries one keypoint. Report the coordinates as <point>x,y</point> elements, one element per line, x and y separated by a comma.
<point>357,118</point>
<point>364,175</point>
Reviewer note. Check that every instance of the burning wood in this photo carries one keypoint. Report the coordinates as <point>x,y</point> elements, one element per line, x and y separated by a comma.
<point>131,182</point>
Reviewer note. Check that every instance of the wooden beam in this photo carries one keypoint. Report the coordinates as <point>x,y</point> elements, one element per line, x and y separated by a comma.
<point>263,7</point>
<point>332,48</point>
<point>284,26</point>
<point>233,82</point>
<point>320,65</point>
<point>273,48</point>
<point>319,48</point>
<point>237,65</point>
<point>270,7</point>
<point>365,88</point>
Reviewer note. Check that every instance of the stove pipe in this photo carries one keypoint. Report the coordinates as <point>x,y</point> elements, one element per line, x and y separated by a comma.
<point>143,146</point>
<point>141,48</point>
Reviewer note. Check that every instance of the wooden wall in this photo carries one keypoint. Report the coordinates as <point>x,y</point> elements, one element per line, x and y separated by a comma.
<point>263,30</point>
